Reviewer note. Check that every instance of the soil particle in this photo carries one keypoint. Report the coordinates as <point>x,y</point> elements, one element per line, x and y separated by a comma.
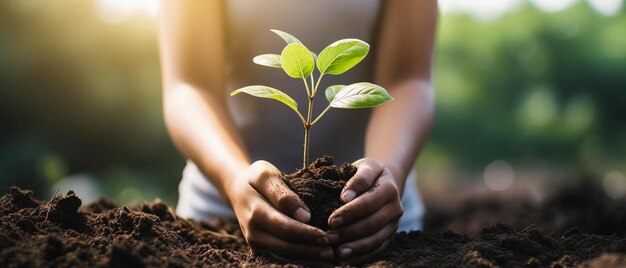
<point>320,187</point>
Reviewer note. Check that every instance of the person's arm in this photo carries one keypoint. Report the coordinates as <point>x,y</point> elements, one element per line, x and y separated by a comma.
<point>395,134</point>
<point>191,38</point>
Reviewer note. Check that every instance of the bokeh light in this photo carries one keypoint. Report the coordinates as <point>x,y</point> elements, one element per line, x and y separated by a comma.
<point>607,7</point>
<point>117,11</point>
<point>615,184</point>
<point>499,175</point>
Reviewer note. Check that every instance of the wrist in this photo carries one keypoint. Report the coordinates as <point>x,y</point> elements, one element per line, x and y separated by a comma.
<point>398,175</point>
<point>229,175</point>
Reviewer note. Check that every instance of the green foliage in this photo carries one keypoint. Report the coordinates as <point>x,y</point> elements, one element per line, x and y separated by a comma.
<point>268,93</point>
<point>269,60</point>
<point>341,56</point>
<point>290,39</point>
<point>360,95</point>
<point>331,91</point>
<point>531,87</point>
<point>299,62</point>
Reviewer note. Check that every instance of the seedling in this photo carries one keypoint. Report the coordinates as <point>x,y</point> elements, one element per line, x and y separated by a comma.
<point>298,62</point>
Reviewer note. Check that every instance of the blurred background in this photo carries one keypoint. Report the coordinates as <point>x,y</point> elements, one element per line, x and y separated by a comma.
<point>528,93</point>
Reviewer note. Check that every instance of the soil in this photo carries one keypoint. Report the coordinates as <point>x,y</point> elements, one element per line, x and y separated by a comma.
<point>320,186</point>
<point>582,205</point>
<point>60,232</point>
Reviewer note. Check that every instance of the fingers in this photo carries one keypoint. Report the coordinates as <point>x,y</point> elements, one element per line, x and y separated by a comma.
<point>381,193</point>
<point>267,181</point>
<point>263,242</point>
<point>367,226</point>
<point>367,172</point>
<point>273,222</point>
<point>368,245</point>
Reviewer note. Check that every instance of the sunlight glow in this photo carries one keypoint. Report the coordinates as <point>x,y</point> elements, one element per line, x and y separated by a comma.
<point>553,5</point>
<point>480,9</point>
<point>117,11</point>
<point>607,7</point>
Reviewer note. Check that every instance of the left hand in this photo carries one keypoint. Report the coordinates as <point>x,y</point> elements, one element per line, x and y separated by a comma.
<point>364,226</point>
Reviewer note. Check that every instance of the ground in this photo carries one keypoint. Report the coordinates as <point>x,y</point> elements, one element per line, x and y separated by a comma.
<point>576,226</point>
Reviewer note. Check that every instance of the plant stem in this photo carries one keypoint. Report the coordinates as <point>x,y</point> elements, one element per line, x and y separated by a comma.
<point>312,83</point>
<point>306,86</point>
<point>318,84</point>
<point>307,130</point>
<point>304,123</point>
<point>320,116</point>
<point>309,124</point>
<point>306,147</point>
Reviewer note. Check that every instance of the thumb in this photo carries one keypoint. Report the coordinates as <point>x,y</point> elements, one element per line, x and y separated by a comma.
<point>268,182</point>
<point>368,170</point>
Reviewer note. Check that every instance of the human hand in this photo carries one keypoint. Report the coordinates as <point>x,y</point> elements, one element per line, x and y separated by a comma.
<point>272,217</point>
<point>364,226</point>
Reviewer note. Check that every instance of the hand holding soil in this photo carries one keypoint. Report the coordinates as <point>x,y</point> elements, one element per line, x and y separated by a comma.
<point>364,226</point>
<point>272,217</point>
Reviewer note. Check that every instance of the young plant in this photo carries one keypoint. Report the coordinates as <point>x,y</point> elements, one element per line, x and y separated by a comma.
<point>298,62</point>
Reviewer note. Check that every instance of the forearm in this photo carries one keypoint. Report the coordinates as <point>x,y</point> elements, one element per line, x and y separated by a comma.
<point>204,132</point>
<point>397,130</point>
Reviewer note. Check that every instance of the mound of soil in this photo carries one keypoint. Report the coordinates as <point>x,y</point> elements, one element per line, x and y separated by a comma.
<point>57,233</point>
<point>584,206</point>
<point>61,233</point>
<point>320,186</point>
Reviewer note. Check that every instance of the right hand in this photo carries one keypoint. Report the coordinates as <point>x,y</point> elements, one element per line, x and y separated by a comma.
<point>273,218</point>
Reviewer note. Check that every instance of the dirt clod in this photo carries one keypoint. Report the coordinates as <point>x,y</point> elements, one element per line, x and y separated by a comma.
<point>320,187</point>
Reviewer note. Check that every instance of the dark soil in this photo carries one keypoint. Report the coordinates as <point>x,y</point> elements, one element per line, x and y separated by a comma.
<point>584,206</point>
<point>320,187</point>
<point>58,233</point>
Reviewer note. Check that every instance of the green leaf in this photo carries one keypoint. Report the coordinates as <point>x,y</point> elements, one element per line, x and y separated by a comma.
<point>314,56</point>
<point>360,95</point>
<point>297,60</point>
<point>331,91</point>
<point>341,56</point>
<point>268,93</point>
<point>269,60</point>
<point>290,39</point>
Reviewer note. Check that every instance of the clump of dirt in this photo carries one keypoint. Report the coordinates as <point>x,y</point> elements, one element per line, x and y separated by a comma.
<point>320,187</point>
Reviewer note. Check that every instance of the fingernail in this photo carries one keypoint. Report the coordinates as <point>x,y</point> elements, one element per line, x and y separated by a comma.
<point>348,195</point>
<point>333,238</point>
<point>302,215</point>
<point>335,222</point>
<point>322,241</point>
<point>345,252</point>
<point>327,254</point>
